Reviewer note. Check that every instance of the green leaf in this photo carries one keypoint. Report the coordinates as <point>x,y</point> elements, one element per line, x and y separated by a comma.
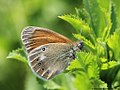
<point>89,64</point>
<point>108,65</point>
<point>74,65</point>
<point>117,10</point>
<point>89,77</point>
<point>98,84</point>
<point>83,14</point>
<point>103,60</point>
<point>78,24</point>
<point>93,70</point>
<point>82,81</point>
<point>19,55</point>
<point>106,31</point>
<point>113,19</point>
<point>97,22</point>
<point>114,44</point>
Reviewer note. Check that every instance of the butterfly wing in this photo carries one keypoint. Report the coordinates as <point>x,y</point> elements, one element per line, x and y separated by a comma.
<point>34,37</point>
<point>48,60</point>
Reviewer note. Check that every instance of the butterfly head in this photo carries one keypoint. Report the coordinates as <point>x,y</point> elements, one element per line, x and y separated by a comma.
<point>80,45</point>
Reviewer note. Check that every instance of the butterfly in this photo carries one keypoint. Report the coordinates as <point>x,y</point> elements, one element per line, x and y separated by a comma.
<point>49,53</point>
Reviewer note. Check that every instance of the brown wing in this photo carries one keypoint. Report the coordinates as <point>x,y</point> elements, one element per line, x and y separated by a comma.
<point>50,62</point>
<point>33,37</point>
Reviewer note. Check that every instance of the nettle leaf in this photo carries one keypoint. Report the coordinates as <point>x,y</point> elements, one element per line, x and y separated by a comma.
<point>74,65</point>
<point>82,13</point>
<point>98,84</point>
<point>89,63</point>
<point>108,65</point>
<point>93,69</point>
<point>113,19</point>
<point>101,48</point>
<point>106,31</point>
<point>117,10</point>
<point>89,77</point>
<point>18,54</point>
<point>82,82</point>
<point>114,44</point>
<point>78,24</point>
<point>97,20</point>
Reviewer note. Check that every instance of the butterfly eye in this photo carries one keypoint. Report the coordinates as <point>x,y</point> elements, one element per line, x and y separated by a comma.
<point>39,63</point>
<point>43,69</point>
<point>37,59</point>
<point>43,49</point>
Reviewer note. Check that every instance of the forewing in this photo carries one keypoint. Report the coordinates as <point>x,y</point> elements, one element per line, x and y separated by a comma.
<point>34,37</point>
<point>48,60</point>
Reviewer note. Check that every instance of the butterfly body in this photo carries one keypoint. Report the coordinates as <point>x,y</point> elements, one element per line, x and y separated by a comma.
<point>49,53</point>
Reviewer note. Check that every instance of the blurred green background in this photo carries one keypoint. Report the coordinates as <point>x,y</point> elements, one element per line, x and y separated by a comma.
<point>14,16</point>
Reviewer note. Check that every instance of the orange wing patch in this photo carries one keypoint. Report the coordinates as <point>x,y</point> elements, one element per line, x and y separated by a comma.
<point>33,37</point>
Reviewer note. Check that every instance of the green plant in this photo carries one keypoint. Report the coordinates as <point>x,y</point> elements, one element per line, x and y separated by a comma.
<point>98,65</point>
